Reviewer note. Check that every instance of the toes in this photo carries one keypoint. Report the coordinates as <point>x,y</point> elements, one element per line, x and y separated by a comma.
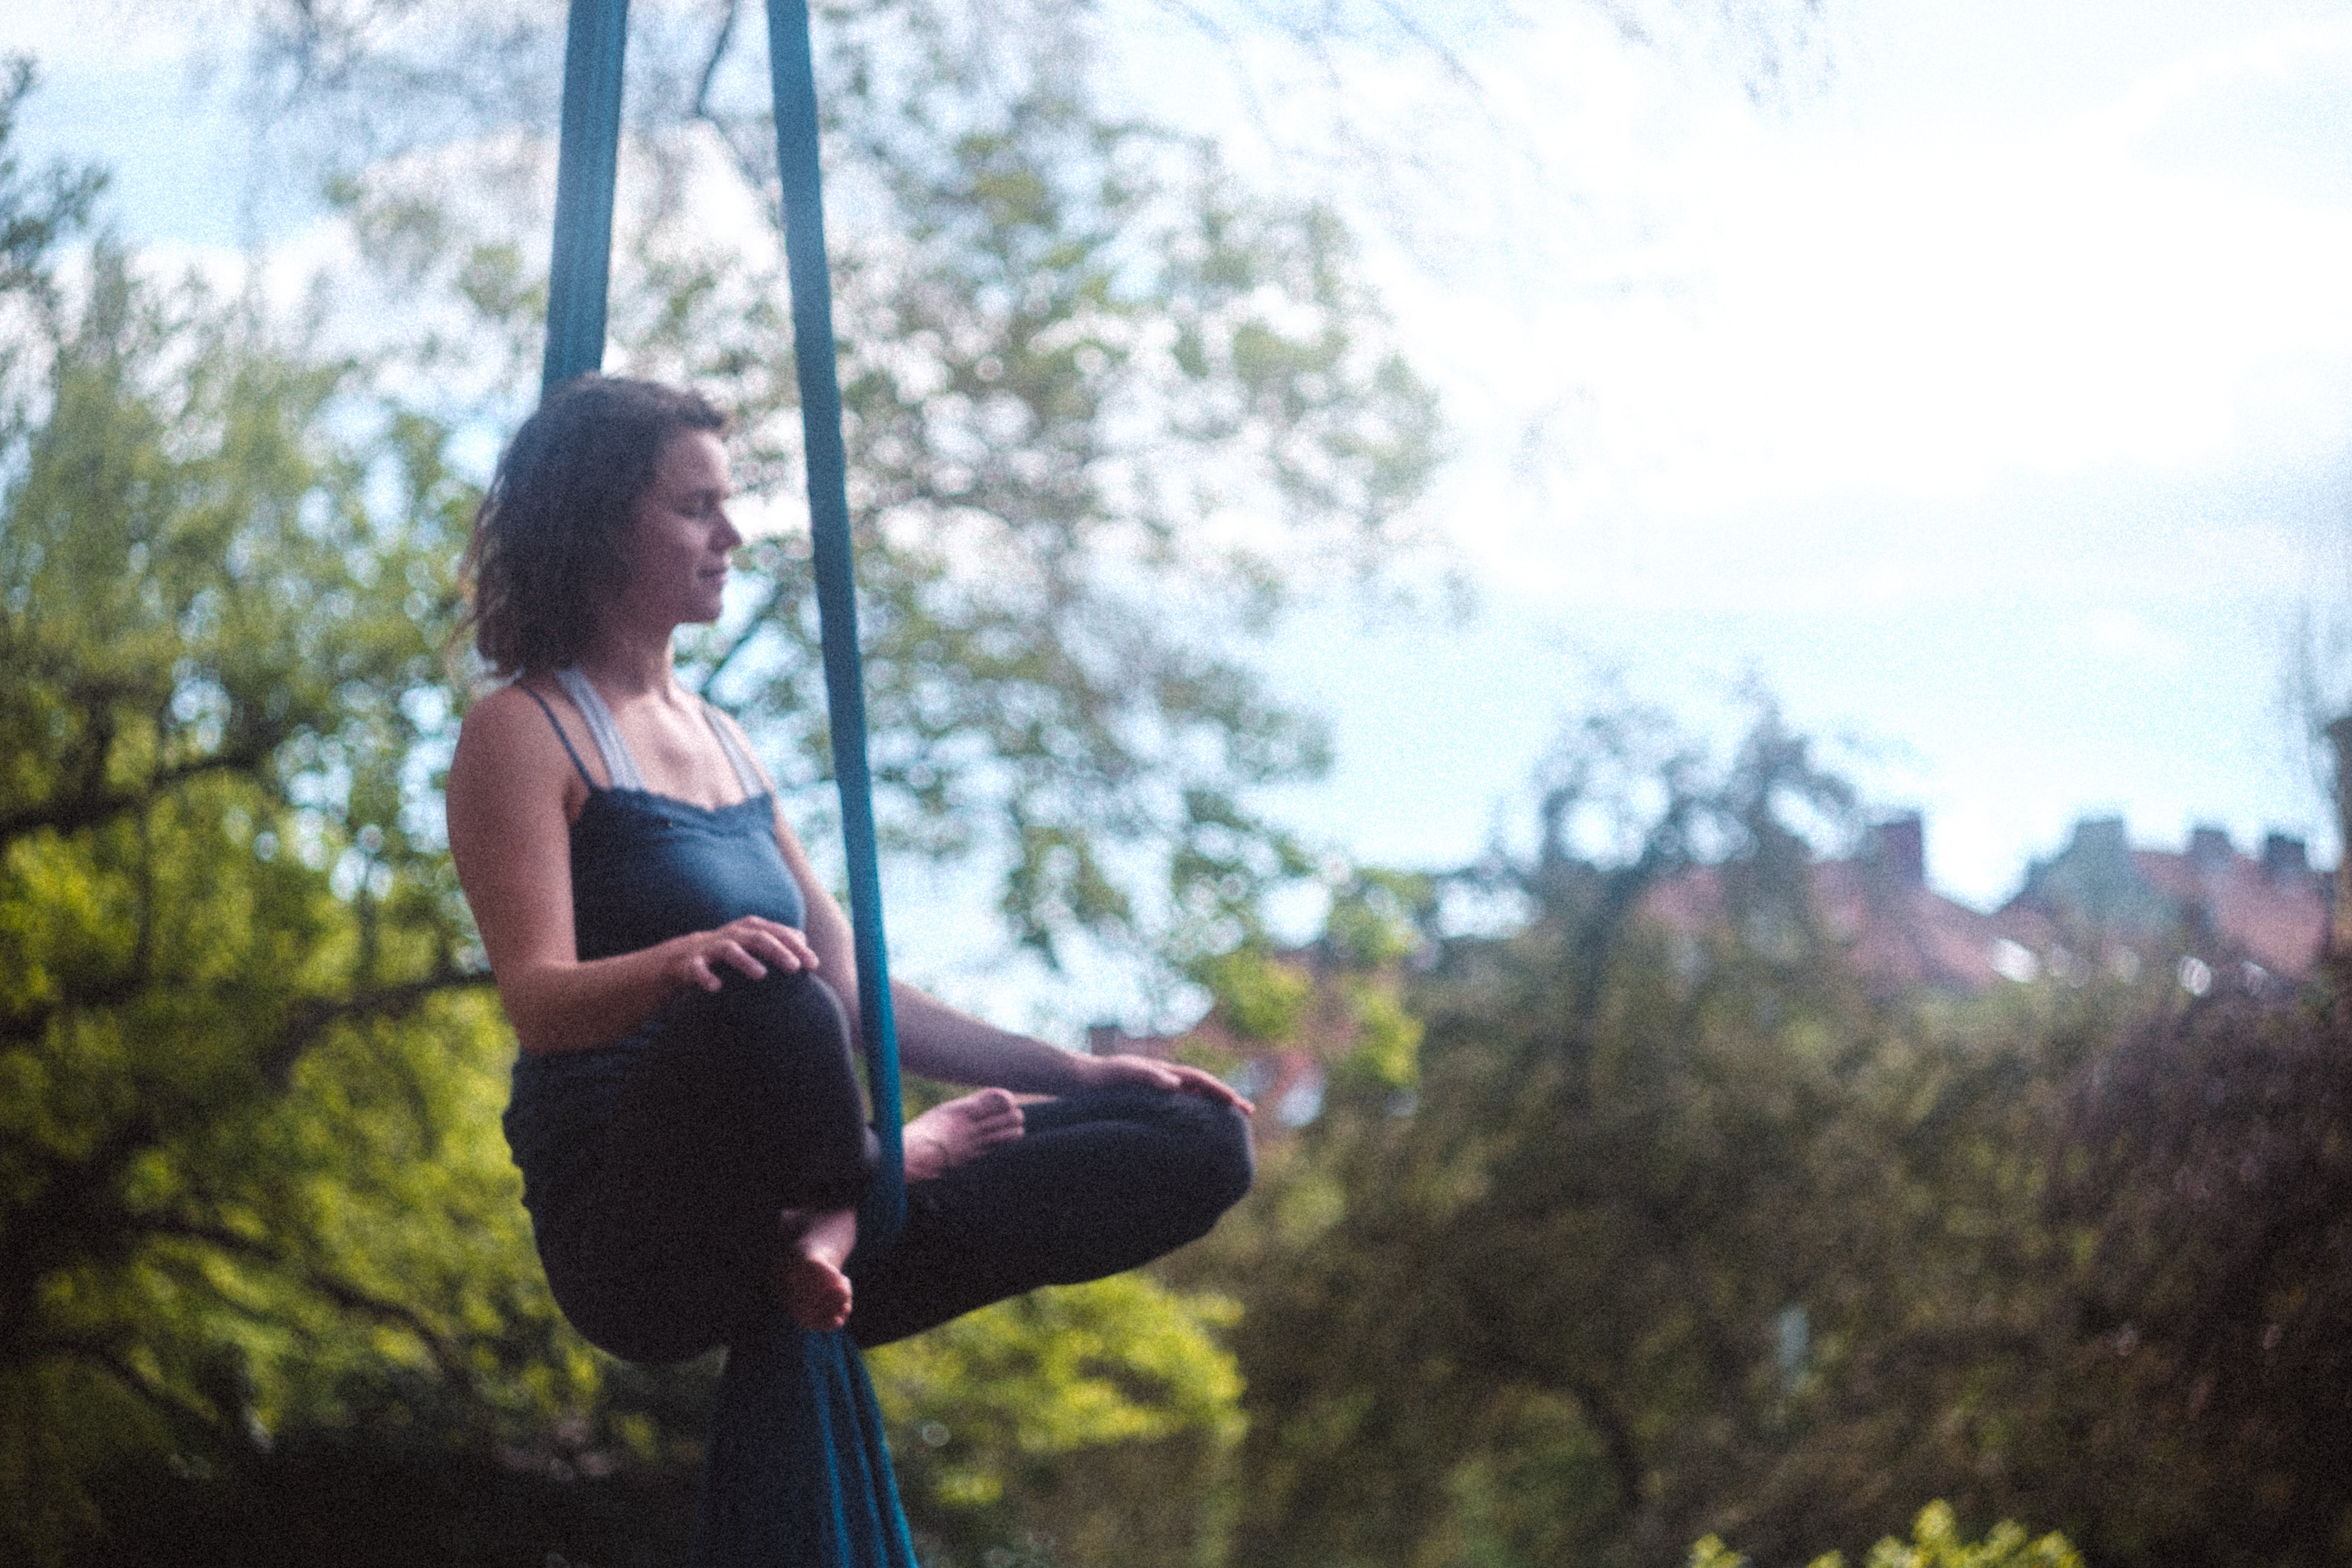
<point>985,1106</point>
<point>818,1298</point>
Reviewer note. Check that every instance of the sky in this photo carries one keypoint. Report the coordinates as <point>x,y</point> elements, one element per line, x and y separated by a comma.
<point>1982,393</point>
<point>1985,399</point>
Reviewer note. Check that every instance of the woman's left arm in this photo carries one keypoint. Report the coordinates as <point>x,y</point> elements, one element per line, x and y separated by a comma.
<point>939,1042</point>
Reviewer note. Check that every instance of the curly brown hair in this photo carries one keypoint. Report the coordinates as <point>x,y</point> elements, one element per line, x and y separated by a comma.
<point>551,542</point>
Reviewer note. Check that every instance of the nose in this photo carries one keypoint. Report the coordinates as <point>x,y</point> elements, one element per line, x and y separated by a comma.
<point>729,536</point>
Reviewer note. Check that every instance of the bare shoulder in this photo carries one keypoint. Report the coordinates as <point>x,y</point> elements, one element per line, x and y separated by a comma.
<point>506,725</point>
<point>511,795</point>
<point>508,741</point>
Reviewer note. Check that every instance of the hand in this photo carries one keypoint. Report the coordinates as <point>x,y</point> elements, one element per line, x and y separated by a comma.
<point>1105,1072</point>
<point>748,946</point>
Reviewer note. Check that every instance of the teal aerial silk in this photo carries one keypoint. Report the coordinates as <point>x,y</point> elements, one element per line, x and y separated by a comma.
<point>797,1474</point>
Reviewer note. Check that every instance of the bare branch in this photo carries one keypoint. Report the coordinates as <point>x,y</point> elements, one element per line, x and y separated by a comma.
<point>719,47</point>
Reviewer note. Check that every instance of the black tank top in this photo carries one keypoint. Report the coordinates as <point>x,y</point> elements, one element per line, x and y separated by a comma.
<point>645,868</point>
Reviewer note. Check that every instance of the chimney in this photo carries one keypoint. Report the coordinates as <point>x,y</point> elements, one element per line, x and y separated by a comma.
<point>2339,933</point>
<point>2099,842</point>
<point>2210,848</point>
<point>2284,857</point>
<point>1899,847</point>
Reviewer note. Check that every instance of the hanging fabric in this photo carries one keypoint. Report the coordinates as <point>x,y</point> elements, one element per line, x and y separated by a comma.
<point>797,1474</point>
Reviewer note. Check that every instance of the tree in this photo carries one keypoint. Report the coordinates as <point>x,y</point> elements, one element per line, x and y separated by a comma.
<point>1534,1310</point>
<point>2212,1171</point>
<point>255,1211</point>
<point>1697,1235</point>
<point>1677,1234</point>
<point>1107,410</point>
<point>1079,1426</point>
<point>245,1044</point>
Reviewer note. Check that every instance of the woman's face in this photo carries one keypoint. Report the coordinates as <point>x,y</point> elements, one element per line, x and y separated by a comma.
<point>678,554</point>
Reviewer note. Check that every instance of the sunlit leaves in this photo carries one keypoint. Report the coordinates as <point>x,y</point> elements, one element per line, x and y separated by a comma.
<point>997,1416</point>
<point>1937,1542</point>
<point>249,1156</point>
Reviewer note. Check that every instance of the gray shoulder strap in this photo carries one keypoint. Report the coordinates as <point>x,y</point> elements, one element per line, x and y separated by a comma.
<point>748,775</point>
<point>619,766</point>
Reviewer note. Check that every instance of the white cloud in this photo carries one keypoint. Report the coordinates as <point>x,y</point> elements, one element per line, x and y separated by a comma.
<point>1831,315</point>
<point>105,35</point>
<point>2120,634</point>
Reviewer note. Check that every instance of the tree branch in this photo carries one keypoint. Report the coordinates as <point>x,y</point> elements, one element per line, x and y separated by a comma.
<point>1617,1440</point>
<point>94,804</point>
<point>64,1213</point>
<point>340,1291</point>
<point>310,1020</point>
<point>176,1409</point>
<point>701,109</point>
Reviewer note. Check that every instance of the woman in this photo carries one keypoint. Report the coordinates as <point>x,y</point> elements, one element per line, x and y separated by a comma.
<point>684,989</point>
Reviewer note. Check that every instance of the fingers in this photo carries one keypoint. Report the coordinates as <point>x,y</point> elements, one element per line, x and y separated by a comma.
<point>769,939</point>
<point>1175,1076</point>
<point>796,944</point>
<point>702,965</point>
<point>749,946</point>
<point>1192,1080</point>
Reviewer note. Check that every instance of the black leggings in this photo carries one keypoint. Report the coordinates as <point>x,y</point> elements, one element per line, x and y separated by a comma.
<point>747,1105</point>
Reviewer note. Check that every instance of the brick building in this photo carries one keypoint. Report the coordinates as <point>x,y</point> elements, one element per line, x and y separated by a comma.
<point>2099,905</point>
<point>2208,914</point>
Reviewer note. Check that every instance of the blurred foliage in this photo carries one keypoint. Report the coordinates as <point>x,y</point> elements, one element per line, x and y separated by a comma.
<point>1261,1000</point>
<point>246,1159</point>
<point>1089,1421</point>
<point>1530,1316</point>
<point>1936,1542</point>
<point>1686,1236</point>
<point>2209,1162</point>
<point>1332,1013</point>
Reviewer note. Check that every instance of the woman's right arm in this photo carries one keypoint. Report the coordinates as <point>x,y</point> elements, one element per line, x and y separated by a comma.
<point>510,833</point>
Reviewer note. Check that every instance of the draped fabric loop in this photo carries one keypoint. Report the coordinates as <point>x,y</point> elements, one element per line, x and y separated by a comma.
<point>797,1475</point>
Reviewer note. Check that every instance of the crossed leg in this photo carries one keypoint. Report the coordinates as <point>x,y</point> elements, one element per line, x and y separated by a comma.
<point>810,1280</point>
<point>1095,1183</point>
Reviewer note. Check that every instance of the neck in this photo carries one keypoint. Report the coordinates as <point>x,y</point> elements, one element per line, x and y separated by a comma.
<point>629,663</point>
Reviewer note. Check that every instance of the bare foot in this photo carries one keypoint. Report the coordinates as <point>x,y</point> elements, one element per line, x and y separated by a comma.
<point>809,1278</point>
<point>946,1136</point>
